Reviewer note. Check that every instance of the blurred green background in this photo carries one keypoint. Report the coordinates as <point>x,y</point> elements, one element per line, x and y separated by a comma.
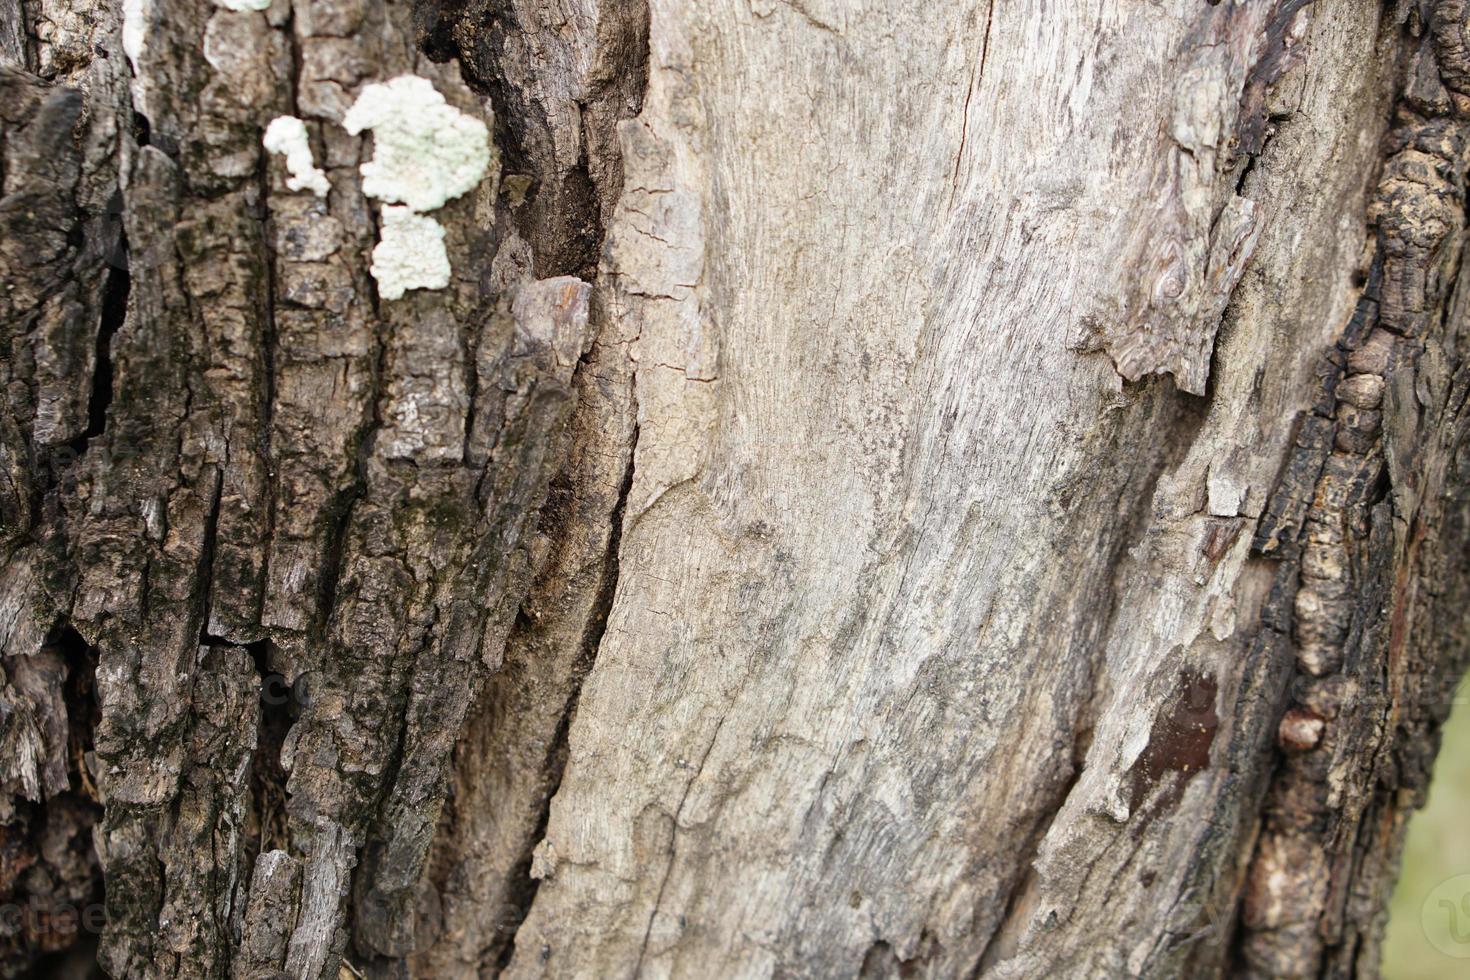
<point>1437,848</point>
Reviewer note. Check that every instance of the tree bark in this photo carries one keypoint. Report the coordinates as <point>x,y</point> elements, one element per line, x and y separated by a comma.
<point>962,489</point>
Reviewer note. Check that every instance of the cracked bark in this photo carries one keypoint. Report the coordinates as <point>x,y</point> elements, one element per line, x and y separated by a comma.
<point>859,507</point>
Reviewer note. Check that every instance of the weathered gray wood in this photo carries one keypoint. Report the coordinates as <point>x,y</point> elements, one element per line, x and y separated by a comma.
<point>889,489</point>
<point>955,565</point>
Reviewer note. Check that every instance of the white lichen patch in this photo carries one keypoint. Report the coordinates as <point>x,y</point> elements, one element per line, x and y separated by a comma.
<point>134,29</point>
<point>425,151</point>
<point>409,254</point>
<point>287,135</point>
<point>243,4</point>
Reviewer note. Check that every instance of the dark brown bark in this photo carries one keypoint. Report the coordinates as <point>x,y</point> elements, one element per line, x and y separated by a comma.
<point>292,588</point>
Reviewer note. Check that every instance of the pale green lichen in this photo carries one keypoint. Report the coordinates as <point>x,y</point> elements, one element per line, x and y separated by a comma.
<point>409,254</point>
<point>287,135</point>
<point>425,151</point>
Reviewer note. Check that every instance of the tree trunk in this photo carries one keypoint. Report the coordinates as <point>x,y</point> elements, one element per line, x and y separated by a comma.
<point>941,489</point>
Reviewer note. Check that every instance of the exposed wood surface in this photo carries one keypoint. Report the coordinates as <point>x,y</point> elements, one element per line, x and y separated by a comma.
<point>890,489</point>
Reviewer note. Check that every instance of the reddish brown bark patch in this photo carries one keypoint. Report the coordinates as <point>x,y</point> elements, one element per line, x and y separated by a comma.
<point>1179,742</point>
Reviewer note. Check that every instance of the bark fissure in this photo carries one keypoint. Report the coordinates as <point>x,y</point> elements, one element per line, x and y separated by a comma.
<point>557,758</point>
<point>486,869</point>
<point>114,313</point>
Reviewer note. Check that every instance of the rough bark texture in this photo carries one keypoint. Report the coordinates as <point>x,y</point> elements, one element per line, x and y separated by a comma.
<point>890,489</point>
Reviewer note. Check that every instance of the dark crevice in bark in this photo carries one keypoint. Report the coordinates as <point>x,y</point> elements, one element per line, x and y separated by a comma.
<point>113,315</point>
<point>526,886</point>
<point>280,704</point>
<point>50,881</point>
<point>880,962</point>
<point>435,23</point>
<point>443,27</point>
<point>142,130</point>
<point>293,92</point>
<point>206,565</point>
<point>559,212</point>
<point>470,345</point>
<point>338,512</point>
<point>81,700</point>
<point>268,344</point>
<point>562,217</point>
<point>338,517</point>
<point>114,312</point>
